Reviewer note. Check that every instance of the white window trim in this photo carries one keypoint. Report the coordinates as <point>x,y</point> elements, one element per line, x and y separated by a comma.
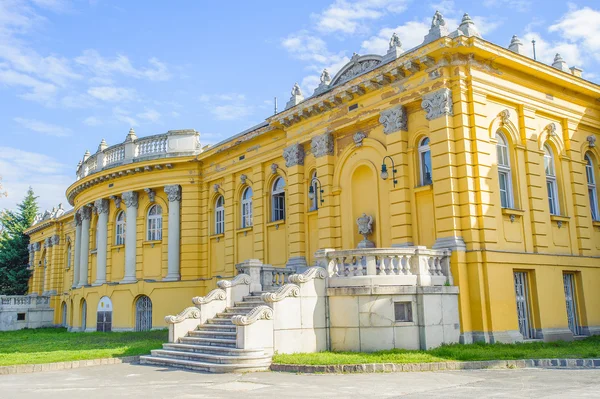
<point>247,208</point>
<point>220,215</point>
<point>505,169</point>
<point>551,179</point>
<point>422,150</point>
<point>69,254</point>
<point>120,236</point>
<point>154,224</point>
<point>314,203</point>
<point>275,209</point>
<point>591,184</point>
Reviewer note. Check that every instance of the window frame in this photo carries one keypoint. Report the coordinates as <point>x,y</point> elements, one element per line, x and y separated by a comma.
<point>551,181</point>
<point>278,200</point>
<point>154,223</point>
<point>120,228</point>
<point>246,207</point>
<point>504,170</point>
<point>592,187</point>
<point>314,202</point>
<point>424,151</point>
<point>220,215</point>
<point>69,255</point>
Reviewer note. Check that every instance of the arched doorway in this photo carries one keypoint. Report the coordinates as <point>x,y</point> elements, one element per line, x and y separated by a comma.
<point>104,315</point>
<point>83,315</point>
<point>143,313</point>
<point>63,312</point>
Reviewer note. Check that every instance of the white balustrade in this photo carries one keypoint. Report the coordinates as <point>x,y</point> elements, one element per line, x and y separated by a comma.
<point>153,145</point>
<point>114,154</point>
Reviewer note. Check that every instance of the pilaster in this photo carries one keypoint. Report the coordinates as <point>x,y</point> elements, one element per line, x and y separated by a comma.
<point>130,198</point>
<point>328,238</point>
<point>77,246</point>
<point>86,214</point>
<point>174,196</point>
<point>102,208</point>
<point>230,212</point>
<point>258,211</point>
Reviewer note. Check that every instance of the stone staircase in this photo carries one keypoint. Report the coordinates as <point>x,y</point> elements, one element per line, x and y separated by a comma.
<point>212,346</point>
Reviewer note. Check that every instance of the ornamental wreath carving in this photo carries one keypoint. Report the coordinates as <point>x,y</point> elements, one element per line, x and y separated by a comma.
<point>294,155</point>
<point>394,119</point>
<point>322,145</point>
<point>173,192</point>
<point>130,198</point>
<point>438,104</point>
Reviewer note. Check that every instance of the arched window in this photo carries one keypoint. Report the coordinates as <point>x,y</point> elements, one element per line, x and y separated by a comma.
<point>314,202</point>
<point>425,163</point>
<point>143,314</point>
<point>504,173</point>
<point>154,223</point>
<point>278,200</point>
<point>551,185</point>
<point>220,215</point>
<point>83,315</point>
<point>68,256</point>
<point>120,228</point>
<point>247,207</point>
<point>591,183</point>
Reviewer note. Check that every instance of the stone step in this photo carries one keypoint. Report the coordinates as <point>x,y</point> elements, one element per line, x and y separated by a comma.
<point>212,334</point>
<point>209,357</point>
<point>216,327</point>
<point>233,311</point>
<point>247,303</point>
<point>222,322</point>
<point>230,342</point>
<point>236,309</point>
<point>223,350</point>
<point>204,366</point>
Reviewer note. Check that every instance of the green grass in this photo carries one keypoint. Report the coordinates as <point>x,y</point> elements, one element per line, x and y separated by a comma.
<point>48,345</point>
<point>587,348</point>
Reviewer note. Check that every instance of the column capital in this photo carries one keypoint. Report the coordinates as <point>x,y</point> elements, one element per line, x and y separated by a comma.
<point>117,200</point>
<point>48,242</point>
<point>322,145</point>
<point>173,192</point>
<point>85,212</point>
<point>130,198</point>
<point>394,119</point>
<point>438,104</point>
<point>294,155</point>
<point>55,239</point>
<point>151,194</point>
<point>101,205</point>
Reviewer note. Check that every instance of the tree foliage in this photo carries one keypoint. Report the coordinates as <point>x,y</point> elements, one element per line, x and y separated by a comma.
<point>14,255</point>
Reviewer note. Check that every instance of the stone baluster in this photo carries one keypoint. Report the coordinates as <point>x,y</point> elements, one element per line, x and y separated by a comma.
<point>77,249</point>
<point>130,198</point>
<point>84,250</point>
<point>174,195</point>
<point>101,206</point>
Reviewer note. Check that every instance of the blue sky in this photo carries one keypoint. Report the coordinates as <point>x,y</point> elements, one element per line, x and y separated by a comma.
<point>74,72</point>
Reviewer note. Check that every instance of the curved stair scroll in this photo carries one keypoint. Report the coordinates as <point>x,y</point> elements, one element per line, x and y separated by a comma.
<point>310,274</point>
<point>216,294</point>
<point>287,290</point>
<point>188,313</point>
<point>262,312</point>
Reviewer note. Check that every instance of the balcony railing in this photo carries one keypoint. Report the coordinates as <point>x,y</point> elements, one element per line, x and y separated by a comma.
<point>24,301</point>
<point>171,144</point>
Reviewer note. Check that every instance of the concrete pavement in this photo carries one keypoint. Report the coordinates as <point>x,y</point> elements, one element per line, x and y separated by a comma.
<point>151,382</point>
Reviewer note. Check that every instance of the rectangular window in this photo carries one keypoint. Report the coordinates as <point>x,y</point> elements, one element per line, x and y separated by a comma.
<point>426,168</point>
<point>504,194</point>
<point>523,307</point>
<point>20,316</point>
<point>571,302</point>
<point>278,207</point>
<point>593,203</point>
<point>403,311</point>
<point>552,197</point>
<point>220,221</point>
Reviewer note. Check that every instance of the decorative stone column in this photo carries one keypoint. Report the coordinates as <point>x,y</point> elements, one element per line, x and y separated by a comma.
<point>101,206</point>
<point>173,245</point>
<point>327,210</point>
<point>294,162</point>
<point>47,266</point>
<point>130,198</point>
<point>77,248</point>
<point>84,254</point>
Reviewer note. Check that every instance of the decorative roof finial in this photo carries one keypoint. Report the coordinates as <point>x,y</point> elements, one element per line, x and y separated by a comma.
<point>438,28</point>
<point>395,41</point>
<point>102,146</point>
<point>516,45</point>
<point>395,49</point>
<point>468,28</point>
<point>86,155</point>
<point>560,64</point>
<point>131,136</point>
<point>296,98</point>
<point>325,82</point>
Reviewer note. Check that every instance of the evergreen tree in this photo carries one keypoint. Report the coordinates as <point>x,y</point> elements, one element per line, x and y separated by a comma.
<point>14,255</point>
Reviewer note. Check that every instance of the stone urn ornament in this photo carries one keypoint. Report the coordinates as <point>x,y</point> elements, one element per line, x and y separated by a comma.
<point>365,228</point>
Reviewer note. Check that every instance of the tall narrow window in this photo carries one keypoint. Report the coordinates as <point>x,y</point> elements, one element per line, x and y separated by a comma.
<point>523,307</point>
<point>314,202</point>
<point>154,232</point>
<point>425,162</point>
<point>247,207</point>
<point>504,174</point>
<point>120,228</point>
<point>278,200</point>
<point>69,256</point>
<point>551,181</point>
<point>220,215</point>
<point>591,183</point>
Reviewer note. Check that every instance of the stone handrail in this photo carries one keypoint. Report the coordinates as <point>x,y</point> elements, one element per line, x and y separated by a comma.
<point>23,301</point>
<point>261,312</point>
<point>237,280</point>
<point>267,277</point>
<point>283,292</point>
<point>188,313</point>
<point>310,274</point>
<point>429,266</point>
<point>215,295</point>
<point>171,144</point>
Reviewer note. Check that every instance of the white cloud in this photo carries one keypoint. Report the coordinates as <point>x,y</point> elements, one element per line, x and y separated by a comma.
<point>546,50</point>
<point>37,90</point>
<point>42,127</point>
<point>486,25</point>
<point>411,35</point>
<point>47,176</point>
<point>231,111</point>
<point>350,17</point>
<point>581,27</point>
<point>121,64</point>
<point>151,115</point>
<point>112,94</point>
<point>92,121</point>
<point>228,106</point>
<point>124,116</point>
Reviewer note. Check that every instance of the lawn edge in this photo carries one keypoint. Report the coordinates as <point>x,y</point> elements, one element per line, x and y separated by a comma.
<point>73,364</point>
<point>437,366</point>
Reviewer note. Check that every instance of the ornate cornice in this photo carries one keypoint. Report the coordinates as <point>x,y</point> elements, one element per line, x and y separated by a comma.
<point>438,104</point>
<point>130,198</point>
<point>215,295</point>
<point>238,280</point>
<point>294,155</point>
<point>394,119</point>
<point>284,291</point>
<point>173,192</point>
<point>188,313</point>
<point>310,274</point>
<point>322,145</point>
<point>258,313</point>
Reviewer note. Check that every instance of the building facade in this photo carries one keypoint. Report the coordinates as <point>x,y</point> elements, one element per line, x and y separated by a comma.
<point>458,144</point>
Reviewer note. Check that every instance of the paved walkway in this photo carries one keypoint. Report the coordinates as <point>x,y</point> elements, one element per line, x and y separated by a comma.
<point>126,380</point>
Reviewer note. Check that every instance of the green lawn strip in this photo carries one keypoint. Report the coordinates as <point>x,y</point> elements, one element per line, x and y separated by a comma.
<point>48,345</point>
<point>587,348</point>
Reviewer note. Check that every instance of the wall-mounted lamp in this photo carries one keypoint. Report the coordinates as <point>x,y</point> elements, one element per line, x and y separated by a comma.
<point>384,170</point>
<point>311,190</point>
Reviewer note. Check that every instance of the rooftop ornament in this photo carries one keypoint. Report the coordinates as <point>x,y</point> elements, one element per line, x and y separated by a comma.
<point>325,81</point>
<point>467,27</point>
<point>560,64</point>
<point>516,45</point>
<point>438,28</point>
<point>296,98</point>
<point>394,50</point>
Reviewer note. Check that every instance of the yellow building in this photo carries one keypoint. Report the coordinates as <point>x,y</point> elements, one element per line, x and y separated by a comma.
<point>487,153</point>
